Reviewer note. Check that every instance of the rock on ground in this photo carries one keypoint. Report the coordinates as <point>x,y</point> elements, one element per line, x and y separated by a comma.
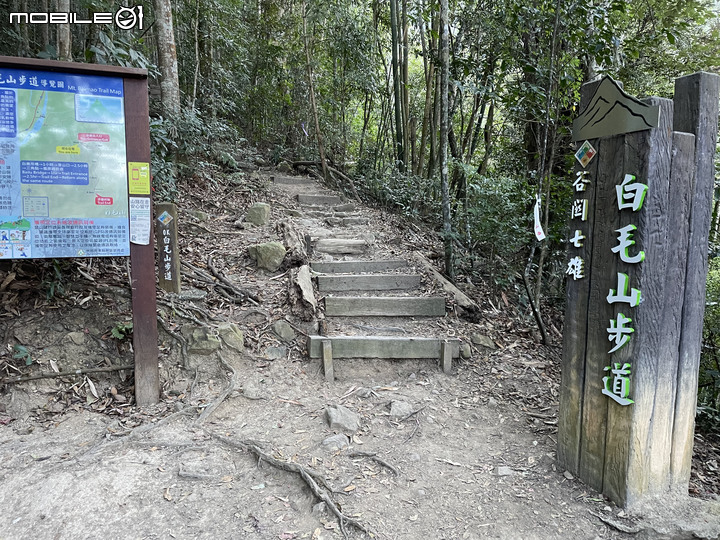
<point>258,214</point>
<point>336,442</point>
<point>342,418</point>
<point>283,330</point>
<point>269,255</point>
<point>400,409</point>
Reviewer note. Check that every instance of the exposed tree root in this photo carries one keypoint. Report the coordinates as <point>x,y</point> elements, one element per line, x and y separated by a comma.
<point>310,477</point>
<point>373,456</point>
<point>229,390</point>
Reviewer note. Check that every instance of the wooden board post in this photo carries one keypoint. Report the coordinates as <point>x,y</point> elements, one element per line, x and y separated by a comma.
<point>328,360</point>
<point>635,295</point>
<point>446,356</point>
<point>142,257</point>
<point>168,260</point>
<point>696,112</point>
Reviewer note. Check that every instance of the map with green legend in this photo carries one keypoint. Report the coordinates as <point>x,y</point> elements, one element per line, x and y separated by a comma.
<point>63,173</point>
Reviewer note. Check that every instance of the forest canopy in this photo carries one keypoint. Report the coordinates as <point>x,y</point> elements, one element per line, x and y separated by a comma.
<point>359,89</point>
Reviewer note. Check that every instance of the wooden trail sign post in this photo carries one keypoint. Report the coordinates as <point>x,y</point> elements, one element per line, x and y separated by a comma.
<point>636,286</point>
<point>75,169</point>
<point>168,259</point>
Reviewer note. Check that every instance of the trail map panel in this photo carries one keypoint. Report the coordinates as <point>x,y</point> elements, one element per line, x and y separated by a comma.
<point>63,178</point>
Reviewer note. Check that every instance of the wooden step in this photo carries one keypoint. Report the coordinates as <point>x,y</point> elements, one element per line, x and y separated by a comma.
<point>364,282</point>
<point>384,306</point>
<point>331,200</point>
<point>344,267</point>
<point>293,180</point>
<point>382,347</point>
<point>389,347</point>
<point>337,246</point>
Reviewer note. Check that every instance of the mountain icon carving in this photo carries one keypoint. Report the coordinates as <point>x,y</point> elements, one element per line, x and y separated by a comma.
<point>611,111</point>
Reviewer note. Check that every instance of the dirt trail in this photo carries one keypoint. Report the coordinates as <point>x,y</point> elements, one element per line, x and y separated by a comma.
<point>474,457</point>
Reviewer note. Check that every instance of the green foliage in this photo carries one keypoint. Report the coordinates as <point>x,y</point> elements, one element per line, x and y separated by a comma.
<point>120,49</point>
<point>121,330</point>
<point>498,223</point>
<point>709,380</point>
<point>20,352</point>
<point>53,279</point>
<point>182,146</point>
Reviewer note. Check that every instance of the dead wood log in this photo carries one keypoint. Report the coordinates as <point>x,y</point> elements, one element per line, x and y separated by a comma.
<point>301,295</point>
<point>297,254</point>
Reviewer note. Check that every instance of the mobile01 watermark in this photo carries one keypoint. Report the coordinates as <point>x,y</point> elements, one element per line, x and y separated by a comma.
<point>125,18</point>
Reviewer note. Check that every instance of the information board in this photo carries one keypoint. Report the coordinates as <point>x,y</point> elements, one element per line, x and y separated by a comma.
<point>63,172</point>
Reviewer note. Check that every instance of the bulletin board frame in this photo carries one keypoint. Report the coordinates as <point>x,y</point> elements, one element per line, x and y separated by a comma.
<point>142,257</point>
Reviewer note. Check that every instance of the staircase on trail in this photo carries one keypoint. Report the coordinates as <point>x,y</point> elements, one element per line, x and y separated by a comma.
<point>361,291</point>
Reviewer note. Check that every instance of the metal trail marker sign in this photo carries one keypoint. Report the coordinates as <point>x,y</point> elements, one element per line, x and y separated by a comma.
<point>636,287</point>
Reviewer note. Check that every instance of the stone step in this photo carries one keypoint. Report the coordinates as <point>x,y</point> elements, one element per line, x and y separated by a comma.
<point>331,200</point>
<point>384,306</point>
<point>346,267</point>
<point>351,221</point>
<point>345,222</point>
<point>381,347</point>
<point>337,246</point>
<point>364,282</point>
<point>293,180</point>
<point>390,347</point>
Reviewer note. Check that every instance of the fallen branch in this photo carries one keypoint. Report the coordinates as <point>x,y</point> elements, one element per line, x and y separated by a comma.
<point>215,404</point>
<point>333,171</point>
<point>310,477</point>
<point>221,285</point>
<point>55,374</point>
<point>461,299</point>
<point>375,458</point>
<point>240,292</point>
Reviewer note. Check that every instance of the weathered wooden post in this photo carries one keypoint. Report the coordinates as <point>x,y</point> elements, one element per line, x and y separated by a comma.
<point>636,286</point>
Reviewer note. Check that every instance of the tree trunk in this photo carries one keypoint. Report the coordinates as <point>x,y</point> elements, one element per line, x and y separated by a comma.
<point>44,28</point>
<point>196,36</point>
<point>405,86</point>
<point>167,58</point>
<point>487,135</point>
<point>396,69</point>
<point>367,112</point>
<point>64,38</point>
<point>207,76</point>
<point>444,121</point>
<point>22,29</point>
<point>427,47</point>
<point>318,135</point>
<point>435,121</point>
